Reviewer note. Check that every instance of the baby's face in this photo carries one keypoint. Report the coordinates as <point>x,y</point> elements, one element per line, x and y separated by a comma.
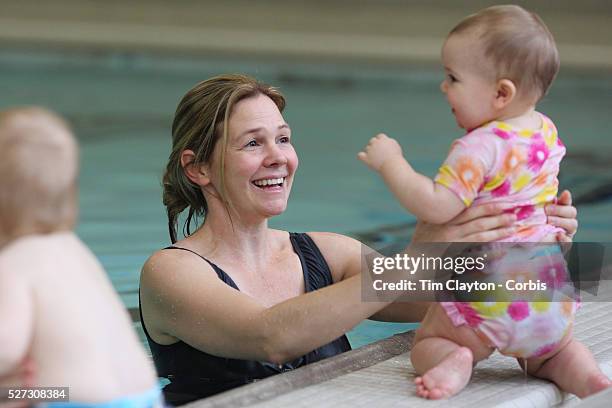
<point>469,91</point>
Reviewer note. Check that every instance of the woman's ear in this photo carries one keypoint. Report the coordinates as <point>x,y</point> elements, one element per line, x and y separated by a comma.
<point>505,93</point>
<point>197,173</point>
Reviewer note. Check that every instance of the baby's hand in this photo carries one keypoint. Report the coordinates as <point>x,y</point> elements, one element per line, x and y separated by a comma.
<point>380,149</point>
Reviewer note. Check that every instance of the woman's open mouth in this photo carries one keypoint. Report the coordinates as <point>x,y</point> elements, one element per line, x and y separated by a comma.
<point>270,183</point>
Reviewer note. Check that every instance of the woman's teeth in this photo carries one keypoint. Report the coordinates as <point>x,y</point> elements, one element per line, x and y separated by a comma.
<point>269,182</point>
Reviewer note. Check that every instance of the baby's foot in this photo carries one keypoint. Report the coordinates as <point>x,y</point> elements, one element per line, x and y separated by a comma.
<point>447,378</point>
<point>595,383</point>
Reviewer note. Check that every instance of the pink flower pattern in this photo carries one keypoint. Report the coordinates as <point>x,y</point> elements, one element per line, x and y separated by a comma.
<point>538,153</point>
<point>469,314</point>
<point>554,275</point>
<point>522,212</point>
<point>518,310</point>
<point>502,133</point>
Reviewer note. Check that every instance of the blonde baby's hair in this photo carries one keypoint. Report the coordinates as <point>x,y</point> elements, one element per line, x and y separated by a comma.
<point>39,167</point>
<point>519,45</point>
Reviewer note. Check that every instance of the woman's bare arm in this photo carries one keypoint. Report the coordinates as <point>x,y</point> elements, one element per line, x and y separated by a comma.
<point>184,299</point>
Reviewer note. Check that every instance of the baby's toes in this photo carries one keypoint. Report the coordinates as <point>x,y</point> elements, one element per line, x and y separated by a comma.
<point>436,393</point>
<point>422,392</point>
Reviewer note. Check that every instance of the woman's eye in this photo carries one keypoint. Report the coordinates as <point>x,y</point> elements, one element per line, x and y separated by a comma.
<point>284,139</point>
<point>252,143</point>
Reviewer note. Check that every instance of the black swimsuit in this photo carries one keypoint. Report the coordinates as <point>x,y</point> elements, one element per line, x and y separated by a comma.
<point>194,374</point>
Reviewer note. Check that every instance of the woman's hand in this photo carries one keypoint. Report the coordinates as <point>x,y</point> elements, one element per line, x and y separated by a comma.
<point>489,223</point>
<point>481,223</point>
<point>563,215</point>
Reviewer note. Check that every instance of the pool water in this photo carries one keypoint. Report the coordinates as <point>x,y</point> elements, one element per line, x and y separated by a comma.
<point>121,106</point>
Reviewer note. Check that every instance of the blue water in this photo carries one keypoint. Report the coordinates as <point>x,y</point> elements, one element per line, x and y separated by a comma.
<point>122,106</point>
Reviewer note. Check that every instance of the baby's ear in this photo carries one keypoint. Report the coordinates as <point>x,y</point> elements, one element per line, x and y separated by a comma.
<point>505,93</point>
<point>197,173</point>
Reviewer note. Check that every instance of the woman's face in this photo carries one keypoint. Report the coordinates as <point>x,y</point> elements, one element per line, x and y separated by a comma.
<point>260,160</point>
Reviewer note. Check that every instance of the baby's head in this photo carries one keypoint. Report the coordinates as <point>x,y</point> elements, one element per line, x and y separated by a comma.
<point>499,62</point>
<point>38,168</point>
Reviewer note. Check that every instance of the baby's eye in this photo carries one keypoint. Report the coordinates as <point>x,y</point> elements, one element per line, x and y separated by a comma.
<point>451,78</point>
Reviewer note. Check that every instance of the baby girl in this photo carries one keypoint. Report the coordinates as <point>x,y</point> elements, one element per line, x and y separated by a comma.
<point>499,63</point>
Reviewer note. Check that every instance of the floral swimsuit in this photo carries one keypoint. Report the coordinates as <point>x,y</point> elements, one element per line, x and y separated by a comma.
<point>517,168</point>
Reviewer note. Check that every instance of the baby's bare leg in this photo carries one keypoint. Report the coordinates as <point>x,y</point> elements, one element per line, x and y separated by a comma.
<point>572,368</point>
<point>444,355</point>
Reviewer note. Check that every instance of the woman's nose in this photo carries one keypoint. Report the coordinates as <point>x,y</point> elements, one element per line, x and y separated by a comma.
<point>274,156</point>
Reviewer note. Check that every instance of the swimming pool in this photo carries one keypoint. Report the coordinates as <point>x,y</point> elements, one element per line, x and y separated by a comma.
<point>121,106</point>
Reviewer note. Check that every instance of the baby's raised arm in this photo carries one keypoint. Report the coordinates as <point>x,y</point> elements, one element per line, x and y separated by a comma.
<point>427,200</point>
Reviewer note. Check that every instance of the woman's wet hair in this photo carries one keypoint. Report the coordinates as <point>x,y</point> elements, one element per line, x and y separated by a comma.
<point>200,123</point>
<point>39,167</point>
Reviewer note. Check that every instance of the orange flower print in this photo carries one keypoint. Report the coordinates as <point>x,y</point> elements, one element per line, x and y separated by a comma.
<point>515,158</point>
<point>469,174</point>
<point>523,233</point>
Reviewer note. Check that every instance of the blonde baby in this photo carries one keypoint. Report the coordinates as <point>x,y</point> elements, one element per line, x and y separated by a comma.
<point>60,314</point>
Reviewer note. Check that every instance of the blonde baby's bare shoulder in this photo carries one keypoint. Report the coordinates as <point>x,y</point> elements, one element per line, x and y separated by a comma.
<point>31,254</point>
<point>25,251</point>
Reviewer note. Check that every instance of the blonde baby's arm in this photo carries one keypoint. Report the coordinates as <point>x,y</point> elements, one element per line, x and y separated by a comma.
<point>428,201</point>
<point>16,311</point>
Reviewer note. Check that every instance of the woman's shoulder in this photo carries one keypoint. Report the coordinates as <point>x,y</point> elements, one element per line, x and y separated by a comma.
<point>172,263</point>
<point>159,258</point>
<point>326,239</point>
<point>342,253</point>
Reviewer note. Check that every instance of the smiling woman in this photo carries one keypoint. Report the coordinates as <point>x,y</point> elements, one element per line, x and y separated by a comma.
<point>262,159</point>
<point>232,162</point>
<point>236,301</point>
<point>198,127</point>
